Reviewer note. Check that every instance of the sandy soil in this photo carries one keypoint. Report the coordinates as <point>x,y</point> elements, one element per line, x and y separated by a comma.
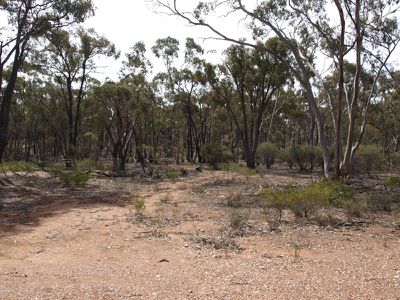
<point>59,242</point>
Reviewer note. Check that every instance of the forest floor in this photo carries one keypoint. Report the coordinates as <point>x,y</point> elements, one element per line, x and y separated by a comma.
<point>191,241</point>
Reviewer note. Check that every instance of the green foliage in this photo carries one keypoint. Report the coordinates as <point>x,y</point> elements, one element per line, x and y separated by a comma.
<point>216,153</point>
<point>236,168</point>
<point>392,181</point>
<point>304,156</point>
<point>266,154</point>
<point>285,156</point>
<point>74,177</point>
<point>21,166</point>
<point>304,200</point>
<point>275,199</point>
<point>139,206</point>
<point>174,174</point>
<point>89,165</point>
<point>367,159</point>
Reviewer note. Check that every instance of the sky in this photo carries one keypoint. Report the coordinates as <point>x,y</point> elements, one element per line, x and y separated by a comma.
<point>125,22</point>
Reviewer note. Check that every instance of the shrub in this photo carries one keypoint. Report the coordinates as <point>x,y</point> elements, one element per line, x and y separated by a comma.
<point>380,202</point>
<point>139,206</point>
<point>266,154</point>
<point>237,220</point>
<point>21,166</point>
<point>74,178</point>
<point>89,165</point>
<point>392,181</point>
<point>285,156</point>
<point>216,154</point>
<point>304,156</point>
<point>243,170</point>
<point>304,200</point>
<point>278,200</point>
<point>368,158</point>
<point>353,209</point>
<point>173,174</point>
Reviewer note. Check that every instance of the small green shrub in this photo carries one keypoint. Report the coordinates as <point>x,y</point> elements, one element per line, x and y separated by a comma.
<point>139,206</point>
<point>275,199</point>
<point>392,181</point>
<point>266,154</point>
<point>173,174</point>
<point>20,166</point>
<point>307,199</point>
<point>304,200</point>
<point>236,168</point>
<point>89,165</point>
<point>285,156</point>
<point>367,158</point>
<point>304,156</point>
<point>74,177</point>
<point>215,154</point>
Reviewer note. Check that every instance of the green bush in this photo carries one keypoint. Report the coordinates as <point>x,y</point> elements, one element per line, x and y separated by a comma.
<point>74,177</point>
<point>20,166</point>
<point>367,158</point>
<point>304,156</point>
<point>236,168</point>
<point>173,174</point>
<point>215,154</point>
<point>266,154</point>
<point>275,199</point>
<point>392,181</point>
<point>89,165</point>
<point>304,200</point>
<point>285,156</point>
<point>139,206</point>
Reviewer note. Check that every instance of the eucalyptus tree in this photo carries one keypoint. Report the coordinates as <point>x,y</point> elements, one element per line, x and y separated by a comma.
<point>365,32</point>
<point>248,84</point>
<point>28,21</point>
<point>385,114</point>
<point>36,121</point>
<point>185,86</point>
<point>115,112</point>
<point>70,60</point>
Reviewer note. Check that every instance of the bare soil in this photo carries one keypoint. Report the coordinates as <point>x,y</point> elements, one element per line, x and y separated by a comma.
<point>63,242</point>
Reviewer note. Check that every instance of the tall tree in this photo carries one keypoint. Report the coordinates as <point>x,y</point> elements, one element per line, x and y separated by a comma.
<point>256,77</point>
<point>364,31</point>
<point>185,87</point>
<point>70,60</point>
<point>29,20</point>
